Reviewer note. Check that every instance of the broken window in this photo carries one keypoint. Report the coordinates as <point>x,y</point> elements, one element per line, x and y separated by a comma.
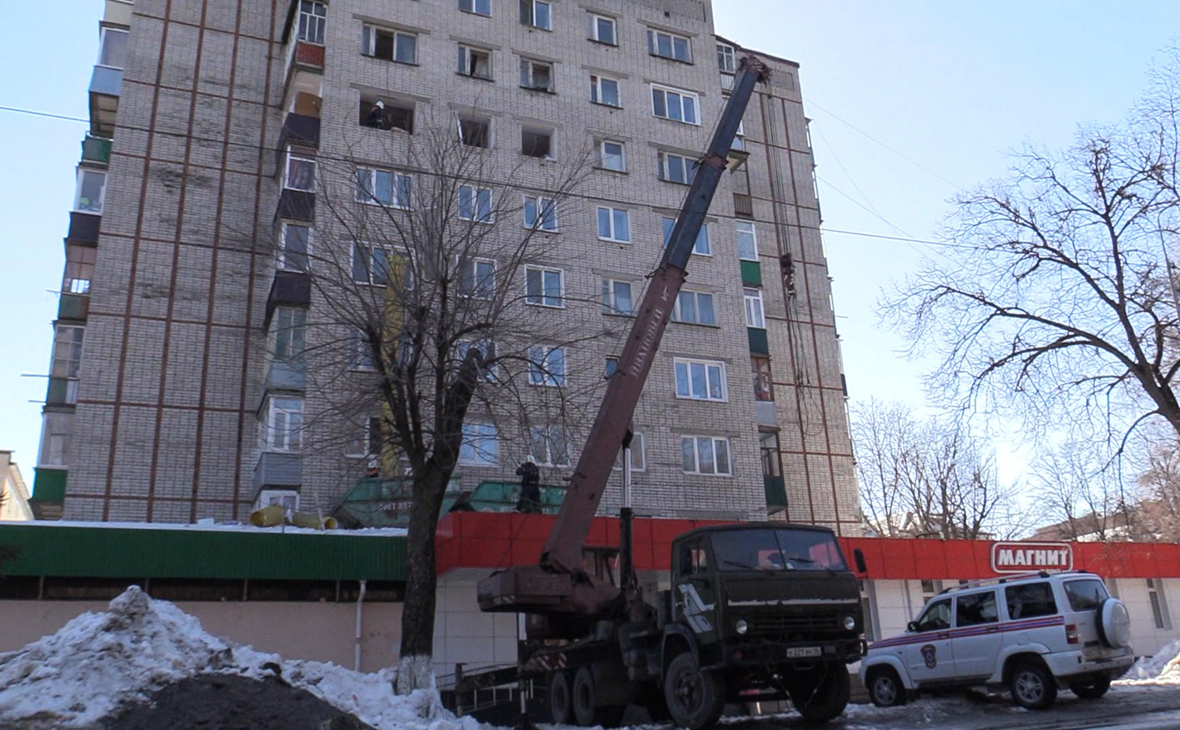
<point>536,142</point>
<point>387,114</point>
<point>536,75</point>
<point>475,132</point>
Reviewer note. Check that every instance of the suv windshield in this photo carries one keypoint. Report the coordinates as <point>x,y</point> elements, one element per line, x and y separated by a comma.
<point>770,549</point>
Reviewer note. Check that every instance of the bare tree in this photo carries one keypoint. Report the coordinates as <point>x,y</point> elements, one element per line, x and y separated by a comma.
<point>433,329</point>
<point>1080,491</point>
<point>1059,302</point>
<point>1159,508</point>
<point>927,478</point>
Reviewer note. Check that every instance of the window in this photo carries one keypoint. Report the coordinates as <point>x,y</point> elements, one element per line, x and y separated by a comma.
<point>299,173</point>
<point>638,454</point>
<point>536,13</point>
<point>370,265</point>
<point>475,62</point>
<point>1085,595</point>
<point>536,142</point>
<point>294,247</point>
<point>479,447</point>
<point>475,132</point>
<point>763,387</point>
<point>312,16</point>
<point>536,75</point>
<point>936,617</point>
<point>546,365</point>
<point>383,187</point>
<point>548,446</point>
<point>67,351</point>
<point>475,204</point>
<point>604,30</point>
<point>487,351</point>
<point>616,297</point>
<point>389,45</point>
<point>726,58</point>
<point>768,447</point>
<point>479,7</point>
<point>614,224</point>
<point>1030,600</point>
<point>679,106</point>
<point>540,212</point>
<point>1159,606</point>
<point>612,155</point>
<point>929,589</point>
<point>755,317</point>
<point>702,247</point>
<point>79,269</point>
<point>387,114</point>
<point>612,367</point>
<point>543,287</point>
<point>694,307</point>
<point>705,455</point>
<point>366,438</point>
<point>747,240</point>
<point>112,49</point>
<point>604,90</point>
<point>91,191</point>
<point>477,278</point>
<point>694,559</point>
<point>677,168</point>
<point>669,45</point>
<point>976,609</point>
<point>55,439</point>
<point>360,353</point>
<point>700,379</point>
<point>284,425</point>
<point>288,335</point>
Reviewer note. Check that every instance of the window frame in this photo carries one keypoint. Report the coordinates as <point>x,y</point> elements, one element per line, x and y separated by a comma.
<point>363,437</point>
<point>401,198</point>
<point>540,131</point>
<point>594,29</point>
<point>528,68</point>
<point>704,237</point>
<point>474,9</point>
<point>596,86</point>
<point>79,269</point>
<point>102,46</point>
<point>726,62</point>
<point>541,373</point>
<point>531,19</point>
<point>476,443</point>
<point>468,70</point>
<point>754,307</point>
<point>676,314</point>
<point>477,282</point>
<point>283,261</point>
<point>288,332</point>
<point>611,212</point>
<point>760,368</point>
<point>610,297</point>
<point>636,437</point>
<point>751,235</point>
<point>369,33</point>
<point>685,97</point>
<point>293,156</point>
<point>696,452</point>
<point>665,167</point>
<point>546,434</point>
<point>360,358</point>
<point>372,268</point>
<point>94,209</point>
<point>292,435</point>
<point>69,365</point>
<point>543,208</point>
<point>320,21</point>
<point>539,299</point>
<point>475,214</point>
<point>601,161</point>
<point>707,365</point>
<point>653,45</point>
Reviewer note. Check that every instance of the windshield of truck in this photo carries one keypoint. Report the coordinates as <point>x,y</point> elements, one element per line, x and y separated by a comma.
<point>770,549</point>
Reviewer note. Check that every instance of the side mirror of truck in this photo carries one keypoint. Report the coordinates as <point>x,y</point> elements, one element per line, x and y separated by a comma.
<point>859,558</point>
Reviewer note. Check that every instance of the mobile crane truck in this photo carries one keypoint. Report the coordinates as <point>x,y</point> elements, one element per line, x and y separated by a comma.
<point>756,611</point>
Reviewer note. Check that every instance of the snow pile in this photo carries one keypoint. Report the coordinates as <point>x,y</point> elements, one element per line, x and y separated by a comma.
<point>98,661</point>
<point>1163,668</point>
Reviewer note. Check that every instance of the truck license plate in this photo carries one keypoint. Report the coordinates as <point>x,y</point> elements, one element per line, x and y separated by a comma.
<point>806,651</point>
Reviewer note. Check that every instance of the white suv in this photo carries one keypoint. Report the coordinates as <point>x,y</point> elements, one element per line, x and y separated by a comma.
<point>1030,634</point>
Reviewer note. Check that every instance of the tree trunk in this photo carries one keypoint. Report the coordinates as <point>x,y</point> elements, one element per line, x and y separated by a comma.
<point>417,643</point>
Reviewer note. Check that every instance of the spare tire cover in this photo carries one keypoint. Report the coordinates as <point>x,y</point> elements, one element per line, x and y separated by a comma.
<point>1114,624</point>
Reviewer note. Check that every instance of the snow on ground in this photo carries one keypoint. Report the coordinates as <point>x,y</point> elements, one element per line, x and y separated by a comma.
<point>1163,668</point>
<point>99,660</point>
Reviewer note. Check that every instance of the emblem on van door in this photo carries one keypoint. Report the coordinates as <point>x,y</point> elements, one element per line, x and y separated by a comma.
<point>930,655</point>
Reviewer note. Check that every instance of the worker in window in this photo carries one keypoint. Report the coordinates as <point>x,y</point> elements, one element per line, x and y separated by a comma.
<point>376,118</point>
<point>530,487</point>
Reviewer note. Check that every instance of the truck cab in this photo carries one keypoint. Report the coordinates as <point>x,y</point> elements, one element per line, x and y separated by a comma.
<point>766,610</point>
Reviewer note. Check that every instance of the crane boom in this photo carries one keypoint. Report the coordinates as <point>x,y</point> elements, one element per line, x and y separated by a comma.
<point>558,583</point>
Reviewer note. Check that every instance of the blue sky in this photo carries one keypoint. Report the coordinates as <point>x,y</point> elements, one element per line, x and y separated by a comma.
<point>911,100</point>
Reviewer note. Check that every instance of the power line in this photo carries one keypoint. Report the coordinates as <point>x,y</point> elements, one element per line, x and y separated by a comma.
<point>49,115</point>
<point>862,234</point>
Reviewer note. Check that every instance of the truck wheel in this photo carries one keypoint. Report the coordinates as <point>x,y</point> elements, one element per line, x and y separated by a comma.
<point>1032,686</point>
<point>695,697</point>
<point>585,698</point>
<point>559,698</point>
<point>885,687</point>
<point>825,698</point>
<point>1091,690</point>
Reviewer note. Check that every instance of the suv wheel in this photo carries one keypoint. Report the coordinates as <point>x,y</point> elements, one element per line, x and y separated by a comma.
<point>1091,690</point>
<point>1033,687</point>
<point>885,688</point>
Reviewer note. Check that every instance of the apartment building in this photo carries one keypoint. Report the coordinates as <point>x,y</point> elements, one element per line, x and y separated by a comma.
<point>179,387</point>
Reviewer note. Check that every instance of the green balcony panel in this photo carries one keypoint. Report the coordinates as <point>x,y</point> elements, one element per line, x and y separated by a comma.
<point>751,273</point>
<point>73,306</point>
<point>776,494</point>
<point>62,391</point>
<point>759,344</point>
<point>49,485</point>
<point>96,149</point>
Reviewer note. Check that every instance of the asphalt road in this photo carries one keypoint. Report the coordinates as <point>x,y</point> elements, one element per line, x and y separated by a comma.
<point>1124,708</point>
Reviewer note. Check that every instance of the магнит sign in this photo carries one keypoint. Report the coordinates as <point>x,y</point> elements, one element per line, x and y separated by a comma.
<point>1027,557</point>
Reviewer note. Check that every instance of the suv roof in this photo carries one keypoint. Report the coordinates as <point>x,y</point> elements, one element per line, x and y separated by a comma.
<point>1020,578</point>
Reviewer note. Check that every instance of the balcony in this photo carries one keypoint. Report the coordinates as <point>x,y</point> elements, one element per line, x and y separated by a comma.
<point>84,228</point>
<point>73,306</point>
<point>296,205</point>
<point>289,289</point>
<point>776,494</point>
<point>49,492</point>
<point>278,469</point>
<point>298,129</point>
<point>759,343</point>
<point>62,391</point>
<point>764,413</point>
<point>105,86</point>
<point>96,150</point>
<point>743,205</point>
<point>751,273</point>
<point>285,375</point>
